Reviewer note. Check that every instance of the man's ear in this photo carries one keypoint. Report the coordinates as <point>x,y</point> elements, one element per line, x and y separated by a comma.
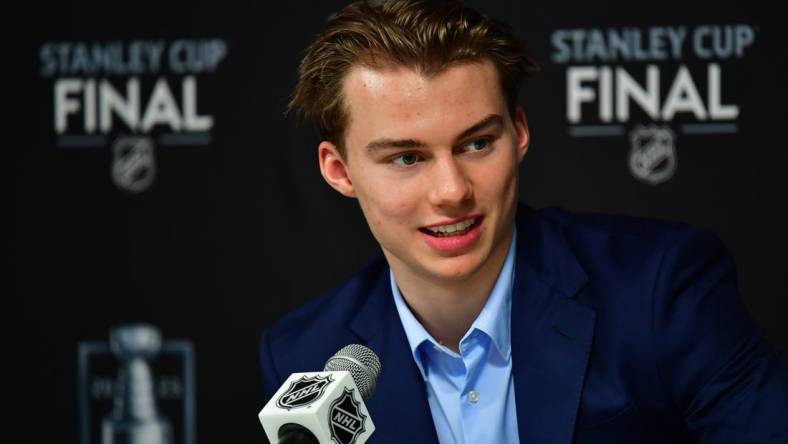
<point>334,169</point>
<point>523,135</point>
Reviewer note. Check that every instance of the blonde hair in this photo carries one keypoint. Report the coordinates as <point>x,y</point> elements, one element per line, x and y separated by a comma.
<point>425,35</point>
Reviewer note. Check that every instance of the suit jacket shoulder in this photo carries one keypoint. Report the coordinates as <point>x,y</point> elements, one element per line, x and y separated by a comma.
<point>668,309</point>
<point>305,338</point>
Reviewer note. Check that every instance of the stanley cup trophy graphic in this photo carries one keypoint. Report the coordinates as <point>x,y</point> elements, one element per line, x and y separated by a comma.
<point>134,418</point>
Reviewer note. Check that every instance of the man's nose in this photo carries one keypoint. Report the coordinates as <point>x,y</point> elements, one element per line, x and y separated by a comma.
<point>449,184</point>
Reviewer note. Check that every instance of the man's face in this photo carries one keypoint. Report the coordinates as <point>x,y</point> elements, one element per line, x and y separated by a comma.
<point>434,163</point>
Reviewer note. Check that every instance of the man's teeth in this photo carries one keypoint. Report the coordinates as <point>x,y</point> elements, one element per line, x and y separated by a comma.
<point>453,229</point>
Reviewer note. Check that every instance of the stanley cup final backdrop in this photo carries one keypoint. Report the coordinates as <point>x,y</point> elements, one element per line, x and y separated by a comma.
<point>166,211</point>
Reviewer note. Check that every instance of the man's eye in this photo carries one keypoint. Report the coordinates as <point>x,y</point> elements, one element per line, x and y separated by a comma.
<point>477,145</point>
<point>406,159</point>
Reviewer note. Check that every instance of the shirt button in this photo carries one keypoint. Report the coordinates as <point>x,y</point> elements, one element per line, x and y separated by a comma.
<point>473,396</point>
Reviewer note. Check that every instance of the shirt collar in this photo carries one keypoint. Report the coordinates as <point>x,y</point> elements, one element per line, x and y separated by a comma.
<point>494,320</point>
<point>414,331</point>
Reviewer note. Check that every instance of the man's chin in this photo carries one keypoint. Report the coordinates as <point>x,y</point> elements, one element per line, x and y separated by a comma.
<point>450,270</point>
<point>457,269</point>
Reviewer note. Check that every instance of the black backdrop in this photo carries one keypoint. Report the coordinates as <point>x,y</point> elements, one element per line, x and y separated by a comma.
<point>237,226</point>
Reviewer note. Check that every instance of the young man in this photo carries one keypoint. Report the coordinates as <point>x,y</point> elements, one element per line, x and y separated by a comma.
<point>496,323</point>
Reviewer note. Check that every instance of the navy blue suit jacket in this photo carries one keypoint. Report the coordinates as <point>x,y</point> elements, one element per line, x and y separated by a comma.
<point>623,330</point>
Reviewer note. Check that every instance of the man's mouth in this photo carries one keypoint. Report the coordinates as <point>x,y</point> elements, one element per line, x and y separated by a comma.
<point>455,229</point>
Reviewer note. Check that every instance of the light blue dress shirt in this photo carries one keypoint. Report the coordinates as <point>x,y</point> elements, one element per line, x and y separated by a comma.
<point>471,394</point>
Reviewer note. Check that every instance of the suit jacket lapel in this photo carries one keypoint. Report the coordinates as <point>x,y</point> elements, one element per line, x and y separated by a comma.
<point>399,406</point>
<point>551,333</point>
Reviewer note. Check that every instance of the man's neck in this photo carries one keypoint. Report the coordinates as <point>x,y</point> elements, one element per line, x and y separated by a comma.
<point>447,308</point>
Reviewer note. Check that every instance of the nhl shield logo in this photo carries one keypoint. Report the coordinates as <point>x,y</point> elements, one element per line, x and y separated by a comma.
<point>133,164</point>
<point>304,391</point>
<point>346,420</point>
<point>652,157</point>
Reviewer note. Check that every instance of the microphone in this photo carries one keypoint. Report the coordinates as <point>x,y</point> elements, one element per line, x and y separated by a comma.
<point>325,407</point>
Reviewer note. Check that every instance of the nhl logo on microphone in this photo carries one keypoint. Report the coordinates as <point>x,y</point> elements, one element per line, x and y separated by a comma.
<point>304,391</point>
<point>332,414</point>
<point>347,421</point>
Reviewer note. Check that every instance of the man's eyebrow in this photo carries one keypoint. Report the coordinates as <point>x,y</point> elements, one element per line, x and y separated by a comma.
<point>489,121</point>
<point>392,143</point>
